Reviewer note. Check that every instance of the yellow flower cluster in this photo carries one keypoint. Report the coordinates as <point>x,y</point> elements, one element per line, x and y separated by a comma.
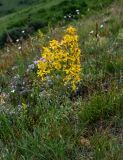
<point>62,59</point>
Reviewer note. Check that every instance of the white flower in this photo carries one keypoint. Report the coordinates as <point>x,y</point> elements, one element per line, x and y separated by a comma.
<point>17,40</point>
<point>16,77</point>
<point>101,26</point>
<point>13,91</point>
<point>19,47</point>
<point>91,32</point>
<point>23,31</point>
<point>69,16</point>
<point>98,36</point>
<point>31,66</point>
<point>77,10</point>
<point>14,67</point>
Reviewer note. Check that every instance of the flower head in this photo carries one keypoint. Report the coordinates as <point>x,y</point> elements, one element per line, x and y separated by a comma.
<point>71,30</point>
<point>62,59</point>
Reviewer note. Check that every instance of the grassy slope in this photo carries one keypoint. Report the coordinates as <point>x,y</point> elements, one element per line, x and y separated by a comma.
<point>16,17</point>
<point>24,17</point>
<point>43,14</point>
<point>56,127</point>
<point>7,6</point>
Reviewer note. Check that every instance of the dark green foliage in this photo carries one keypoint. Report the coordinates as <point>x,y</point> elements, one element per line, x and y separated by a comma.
<point>102,106</point>
<point>41,17</point>
<point>106,147</point>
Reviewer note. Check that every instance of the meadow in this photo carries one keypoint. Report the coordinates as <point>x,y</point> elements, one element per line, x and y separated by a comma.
<point>42,15</point>
<point>7,7</point>
<point>62,89</point>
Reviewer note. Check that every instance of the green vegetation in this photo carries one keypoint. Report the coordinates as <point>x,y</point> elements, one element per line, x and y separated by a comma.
<point>44,14</point>
<point>46,121</point>
<point>7,6</point>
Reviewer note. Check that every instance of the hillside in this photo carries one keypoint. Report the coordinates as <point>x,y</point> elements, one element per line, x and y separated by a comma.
<point>44,14</point>
<point>61,89</point>
<point>7,6</point>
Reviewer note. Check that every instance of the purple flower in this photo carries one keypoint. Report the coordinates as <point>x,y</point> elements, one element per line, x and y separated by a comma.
<point>42,59</point>
<point>35,62</point>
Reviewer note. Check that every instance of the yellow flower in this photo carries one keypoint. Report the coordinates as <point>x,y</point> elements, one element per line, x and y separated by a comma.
<point>71,30</point>
<point>64,57</point>
<point>57,65</point>
<point>54,44</point>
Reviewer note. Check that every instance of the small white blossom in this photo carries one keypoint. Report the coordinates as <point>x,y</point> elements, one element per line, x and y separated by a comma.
<point>77,10</point>
<point>19,47</point>
<point>91,32</point>
<point>23,31</point>
<point>31,66</point>
<point>16,77</point>
<point>101,26</point>
<point>14,67</point>
<point>69,16</point>
<point>13,91</point>
<point>98,36</point>
<point>17,40</point>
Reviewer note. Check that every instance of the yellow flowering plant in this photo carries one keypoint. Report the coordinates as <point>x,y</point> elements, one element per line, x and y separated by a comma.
<point>61,60</point>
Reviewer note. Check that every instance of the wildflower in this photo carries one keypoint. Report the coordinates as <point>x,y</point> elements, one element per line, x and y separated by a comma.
<point>98,36</point>
<point>14,67</point>
<point>54,44</point>
<point>13,91</point>
<point>19,47</point>
<point>31,66</point>
<point>69,16</point>
<point>17,40</point>
<point>91,32</point>
<point>23,31</point>
<point>101,26</point>
<point>77,11</point>
<point>35,62</point>
<point>61,60</point>
<point>17,76</point>
<point>71,30</point>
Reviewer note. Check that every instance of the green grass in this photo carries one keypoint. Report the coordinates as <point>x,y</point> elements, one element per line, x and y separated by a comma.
<point>45,123</point>
<point>7,7</point>
<point>42,15</point>
<point>26,18</point>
